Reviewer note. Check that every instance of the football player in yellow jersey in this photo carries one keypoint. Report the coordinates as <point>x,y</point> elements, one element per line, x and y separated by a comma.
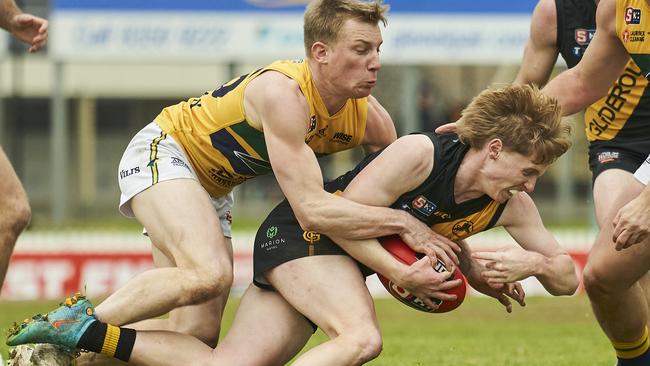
<point>177,173</point>
<point>484,177</point>
<point>15,212</point>
<point>612,274</point>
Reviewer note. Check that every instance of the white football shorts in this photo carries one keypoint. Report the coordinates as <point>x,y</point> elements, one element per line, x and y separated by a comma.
<point>642,174</point>
<point>153,156</point>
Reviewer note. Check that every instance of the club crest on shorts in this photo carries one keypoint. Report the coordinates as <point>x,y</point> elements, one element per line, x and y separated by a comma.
<point>311,236</point>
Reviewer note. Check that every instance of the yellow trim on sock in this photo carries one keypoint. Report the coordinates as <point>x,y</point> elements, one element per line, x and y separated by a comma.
<point>632,349</point>
<point>110,342</point>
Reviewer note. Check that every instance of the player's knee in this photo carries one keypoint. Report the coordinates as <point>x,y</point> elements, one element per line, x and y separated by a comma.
<point>366,343</point>
<point>20,215</point>
<point>597,281</point>
<point>207,283</point>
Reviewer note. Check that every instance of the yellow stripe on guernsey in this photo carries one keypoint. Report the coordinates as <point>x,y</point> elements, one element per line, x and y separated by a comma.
<point>607,117</point>
<point>632,24</point>
<point>225,150</point>
<point>469,225</point>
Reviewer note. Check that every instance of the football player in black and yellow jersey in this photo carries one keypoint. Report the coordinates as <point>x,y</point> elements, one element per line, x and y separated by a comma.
<point>177,174</point>
<point>619,52</point>
<point>459,185</point>
<point>613,271</point>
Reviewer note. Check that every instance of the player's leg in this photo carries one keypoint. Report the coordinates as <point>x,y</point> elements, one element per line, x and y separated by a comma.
<point>14,212</point>
<point>609,198</point>
<point>202,321</point>
<point>611,277</point>
<point>181,223</point>
<point>266,331</point>
<point>160,188</point>
<point>331,291</point>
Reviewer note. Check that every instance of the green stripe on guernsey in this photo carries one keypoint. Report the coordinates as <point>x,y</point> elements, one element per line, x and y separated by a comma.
<point>253,137</point>
<point>153,157</point>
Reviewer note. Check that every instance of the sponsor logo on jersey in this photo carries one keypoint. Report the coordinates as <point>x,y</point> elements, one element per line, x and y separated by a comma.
<point>583,36</point>
<point>320,134</point>
<point>636,36</point>
<point>608,156</point>
<point>422,205</point>
<point>463,228</point>
<point>127,172</point>
<point>614,105</point>
<point>626,36</point>
<point>632,16</point>
<point>224,178</point>
<point>341,138</point>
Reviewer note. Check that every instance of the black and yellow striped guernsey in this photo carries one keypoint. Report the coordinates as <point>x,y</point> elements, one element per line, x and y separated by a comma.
<point>225,150</point>
<point>623,115</point>
<point>432,202</point>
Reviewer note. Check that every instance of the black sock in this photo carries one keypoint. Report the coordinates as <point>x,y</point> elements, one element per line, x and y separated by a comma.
<point>108,340</point>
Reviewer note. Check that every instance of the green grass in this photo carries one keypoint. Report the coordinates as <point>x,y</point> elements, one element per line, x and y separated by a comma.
<point>548,331</point>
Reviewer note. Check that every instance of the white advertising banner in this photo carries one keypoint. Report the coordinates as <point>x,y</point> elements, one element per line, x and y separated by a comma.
<point>212,37</point>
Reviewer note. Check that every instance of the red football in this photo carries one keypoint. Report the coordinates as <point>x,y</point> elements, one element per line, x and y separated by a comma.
<point>395,246</point>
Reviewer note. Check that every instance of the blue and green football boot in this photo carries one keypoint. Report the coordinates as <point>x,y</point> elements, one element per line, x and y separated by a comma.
<point>63,326</point>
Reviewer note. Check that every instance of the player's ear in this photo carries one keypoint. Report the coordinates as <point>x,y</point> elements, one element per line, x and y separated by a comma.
<point>494,147</point>
<point>320,52</point>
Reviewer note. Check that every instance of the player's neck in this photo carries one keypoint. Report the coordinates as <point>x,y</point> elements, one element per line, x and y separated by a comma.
<point>467,182</point>
<point>333,100</point>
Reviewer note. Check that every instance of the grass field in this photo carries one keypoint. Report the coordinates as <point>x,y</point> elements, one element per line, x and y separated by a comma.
<point>549,331</point>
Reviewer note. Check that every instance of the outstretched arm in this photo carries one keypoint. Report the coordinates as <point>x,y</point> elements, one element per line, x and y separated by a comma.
<point>541,49</point>
<point>26,27</point>
<point>540,254</point>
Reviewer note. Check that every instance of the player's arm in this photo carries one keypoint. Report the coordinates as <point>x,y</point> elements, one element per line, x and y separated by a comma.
<point>473,271</point>
<point>380,129</point>
<point>278,103</point>
<point>400,168</point>
<point>541,49</point>
<point>26,27</point>
<point>540,254</point>
<point>598,69</point>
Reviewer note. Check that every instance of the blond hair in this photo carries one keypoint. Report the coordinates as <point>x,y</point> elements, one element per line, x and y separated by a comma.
<point>526,120</point>
<point>324,18</point>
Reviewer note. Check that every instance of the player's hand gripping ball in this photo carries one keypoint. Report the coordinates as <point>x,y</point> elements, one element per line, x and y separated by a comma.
<point>402,252</point>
